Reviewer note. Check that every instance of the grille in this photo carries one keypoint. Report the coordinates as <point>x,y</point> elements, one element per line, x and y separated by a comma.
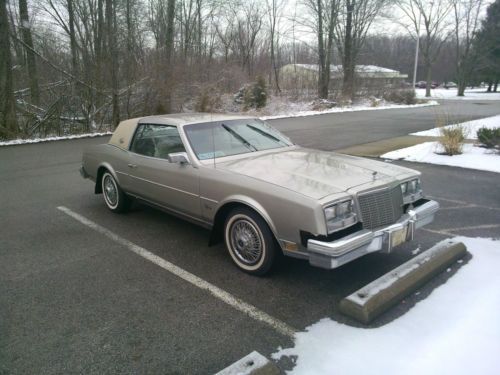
<point>382,207</point>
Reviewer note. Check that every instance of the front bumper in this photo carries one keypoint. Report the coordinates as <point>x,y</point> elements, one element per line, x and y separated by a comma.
<point>333,254</point>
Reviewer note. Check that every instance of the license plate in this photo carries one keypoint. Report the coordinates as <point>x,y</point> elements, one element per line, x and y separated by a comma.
<point>399,236</point>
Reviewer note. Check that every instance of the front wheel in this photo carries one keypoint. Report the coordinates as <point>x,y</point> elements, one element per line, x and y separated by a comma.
<point>114,197</point>
<point>249,241</point>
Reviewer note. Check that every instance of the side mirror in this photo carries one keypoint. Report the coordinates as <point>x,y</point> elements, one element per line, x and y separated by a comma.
<point>178,157</point>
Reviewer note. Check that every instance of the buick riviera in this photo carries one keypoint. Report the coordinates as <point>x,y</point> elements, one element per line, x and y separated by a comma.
<point>257,191</point>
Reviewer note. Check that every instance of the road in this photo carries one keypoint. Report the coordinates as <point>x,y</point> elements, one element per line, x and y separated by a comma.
<point>75,301</point>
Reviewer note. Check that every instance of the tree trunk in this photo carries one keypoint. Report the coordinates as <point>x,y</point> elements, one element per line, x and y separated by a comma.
<point>8,121</point>
<point>461,88</point>
<point>322,89</point>
<point>112,60</point>
<point>348,62</point>
<point>72,38</point>
<point>490,85</point>
<point>169,49</point>
<point>495,86</point>
<point>30,56</point>
<point>428,77</point>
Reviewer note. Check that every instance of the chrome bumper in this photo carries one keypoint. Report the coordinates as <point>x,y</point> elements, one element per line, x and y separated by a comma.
<point>336,253</point>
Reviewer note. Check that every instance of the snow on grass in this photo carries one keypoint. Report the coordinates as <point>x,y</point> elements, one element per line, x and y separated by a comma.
<point>451,94</point>
<point>49,139</point>
<point>470,127</point>
<point>473,157</point>
<point>455,330</point>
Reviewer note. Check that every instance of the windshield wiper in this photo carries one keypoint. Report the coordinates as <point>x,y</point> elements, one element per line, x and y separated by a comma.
<point>266,134</point>
<point>239,137</point>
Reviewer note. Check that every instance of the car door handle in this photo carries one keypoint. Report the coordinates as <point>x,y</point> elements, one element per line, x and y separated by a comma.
<point>133,166</point>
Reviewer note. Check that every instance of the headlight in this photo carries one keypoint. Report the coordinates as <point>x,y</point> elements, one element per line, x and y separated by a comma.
<point>412,191</point>
<point>340,215</point>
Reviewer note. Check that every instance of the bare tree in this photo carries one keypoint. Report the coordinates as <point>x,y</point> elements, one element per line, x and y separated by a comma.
<point>351,30</point>
<point>433,13</point>
<point>466,16</point>
<point>8,121</point>
<point>324,17</point>
<point>274,11</point>
<point>30,56</point>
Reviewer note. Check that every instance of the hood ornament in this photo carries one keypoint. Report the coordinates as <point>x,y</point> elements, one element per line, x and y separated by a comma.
<point>374,175</point>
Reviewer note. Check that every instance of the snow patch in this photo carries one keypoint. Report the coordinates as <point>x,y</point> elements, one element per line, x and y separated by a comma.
<point>470,127</point>
<point>50,139</point>
<point>354,108</point>
<point>473,157</point>
<point>451,94</point>
<point>455,330</point>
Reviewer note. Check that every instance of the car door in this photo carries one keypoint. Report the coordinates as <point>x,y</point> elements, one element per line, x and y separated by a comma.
<point>153,178</point>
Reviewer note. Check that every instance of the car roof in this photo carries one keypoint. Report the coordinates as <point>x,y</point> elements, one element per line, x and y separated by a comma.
<point>180,119</point>
<point>122,135</point>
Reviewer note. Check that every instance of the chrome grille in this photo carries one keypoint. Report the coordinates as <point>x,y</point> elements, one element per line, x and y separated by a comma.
<point>381,207</point>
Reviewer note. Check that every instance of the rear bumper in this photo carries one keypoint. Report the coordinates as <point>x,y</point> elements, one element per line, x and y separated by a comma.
<point>333,254</point>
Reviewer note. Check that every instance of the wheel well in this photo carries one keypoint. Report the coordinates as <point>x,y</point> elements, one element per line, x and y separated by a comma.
<point>98,185</point>
<point>217,234</point>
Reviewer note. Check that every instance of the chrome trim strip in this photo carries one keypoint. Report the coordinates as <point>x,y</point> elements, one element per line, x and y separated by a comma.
<point>165,186</point>
<point>174,212</point>
<point>208,199</point>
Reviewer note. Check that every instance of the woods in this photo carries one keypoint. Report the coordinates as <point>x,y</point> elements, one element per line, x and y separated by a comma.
<point>69,66</point>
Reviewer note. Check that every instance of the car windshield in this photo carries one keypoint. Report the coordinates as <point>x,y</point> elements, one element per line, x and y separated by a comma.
<point>224,138</point>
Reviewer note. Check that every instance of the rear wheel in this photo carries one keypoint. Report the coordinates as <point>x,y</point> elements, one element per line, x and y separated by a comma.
<point>249,241</point>
<point>114,197</point>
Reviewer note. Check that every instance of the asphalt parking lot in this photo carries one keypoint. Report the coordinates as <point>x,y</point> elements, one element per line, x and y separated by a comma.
<point>74,300</point>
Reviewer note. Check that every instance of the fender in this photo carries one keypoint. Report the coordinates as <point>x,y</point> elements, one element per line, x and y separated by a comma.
<point>98,188</point>
<point>250,202</point>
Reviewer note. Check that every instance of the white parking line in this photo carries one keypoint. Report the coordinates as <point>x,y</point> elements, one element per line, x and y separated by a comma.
<point>224,296</point>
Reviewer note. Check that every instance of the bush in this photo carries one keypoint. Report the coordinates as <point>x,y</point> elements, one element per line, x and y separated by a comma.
<point>404,96</point>
<point>252,95</point>
<point>489,137</point>
<point>208,100</point>
<point>452,139</point>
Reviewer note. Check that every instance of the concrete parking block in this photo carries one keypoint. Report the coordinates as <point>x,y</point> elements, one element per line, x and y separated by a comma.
<point>252,364</point>
<point>367,303</point>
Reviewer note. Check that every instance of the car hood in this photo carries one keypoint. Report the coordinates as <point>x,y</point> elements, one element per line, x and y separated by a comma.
<point>314,173</point>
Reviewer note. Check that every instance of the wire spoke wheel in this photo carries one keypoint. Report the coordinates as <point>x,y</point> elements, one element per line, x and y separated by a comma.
<point>246,241</point>
<point>249,241</point>
<point>110,190</point>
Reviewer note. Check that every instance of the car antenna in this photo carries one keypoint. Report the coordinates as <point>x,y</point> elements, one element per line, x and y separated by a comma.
<point>213,146</point>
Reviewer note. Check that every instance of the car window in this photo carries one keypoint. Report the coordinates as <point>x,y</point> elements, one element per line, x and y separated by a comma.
<point>219,139</point>
<point>157,141</point>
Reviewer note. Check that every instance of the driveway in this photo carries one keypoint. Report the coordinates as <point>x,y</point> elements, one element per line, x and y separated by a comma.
<point>75,300</point>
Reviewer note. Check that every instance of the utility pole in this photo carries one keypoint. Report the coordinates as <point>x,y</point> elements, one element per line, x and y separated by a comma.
<point>416,52</point>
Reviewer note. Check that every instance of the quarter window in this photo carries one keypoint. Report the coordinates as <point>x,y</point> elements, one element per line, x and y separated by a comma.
<point>157,141</point>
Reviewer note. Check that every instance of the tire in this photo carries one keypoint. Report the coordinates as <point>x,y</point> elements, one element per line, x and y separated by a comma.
<point>114,197</point>
<point>249,241</point>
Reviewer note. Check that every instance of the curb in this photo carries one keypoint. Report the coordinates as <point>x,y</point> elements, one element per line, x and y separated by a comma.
<point>373,299</point>
<point>252,364</point>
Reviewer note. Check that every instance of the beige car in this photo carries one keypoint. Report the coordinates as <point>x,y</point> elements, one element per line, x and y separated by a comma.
<point>257,191</point>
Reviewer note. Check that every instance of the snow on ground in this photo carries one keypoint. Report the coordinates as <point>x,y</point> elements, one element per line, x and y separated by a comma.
<point>472,156</point>
<point>451,94</point>
<point>276,108</point>
<point>49,139</point>
<point>455,330</point>
<point>354,108</point>
<point>470,127</point>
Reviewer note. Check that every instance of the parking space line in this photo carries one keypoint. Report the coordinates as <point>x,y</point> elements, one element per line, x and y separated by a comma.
<point>461,204</point>
<point>222,295</point>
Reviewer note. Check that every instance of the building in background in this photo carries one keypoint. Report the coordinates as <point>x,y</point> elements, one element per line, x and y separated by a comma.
<point>370,79</point>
